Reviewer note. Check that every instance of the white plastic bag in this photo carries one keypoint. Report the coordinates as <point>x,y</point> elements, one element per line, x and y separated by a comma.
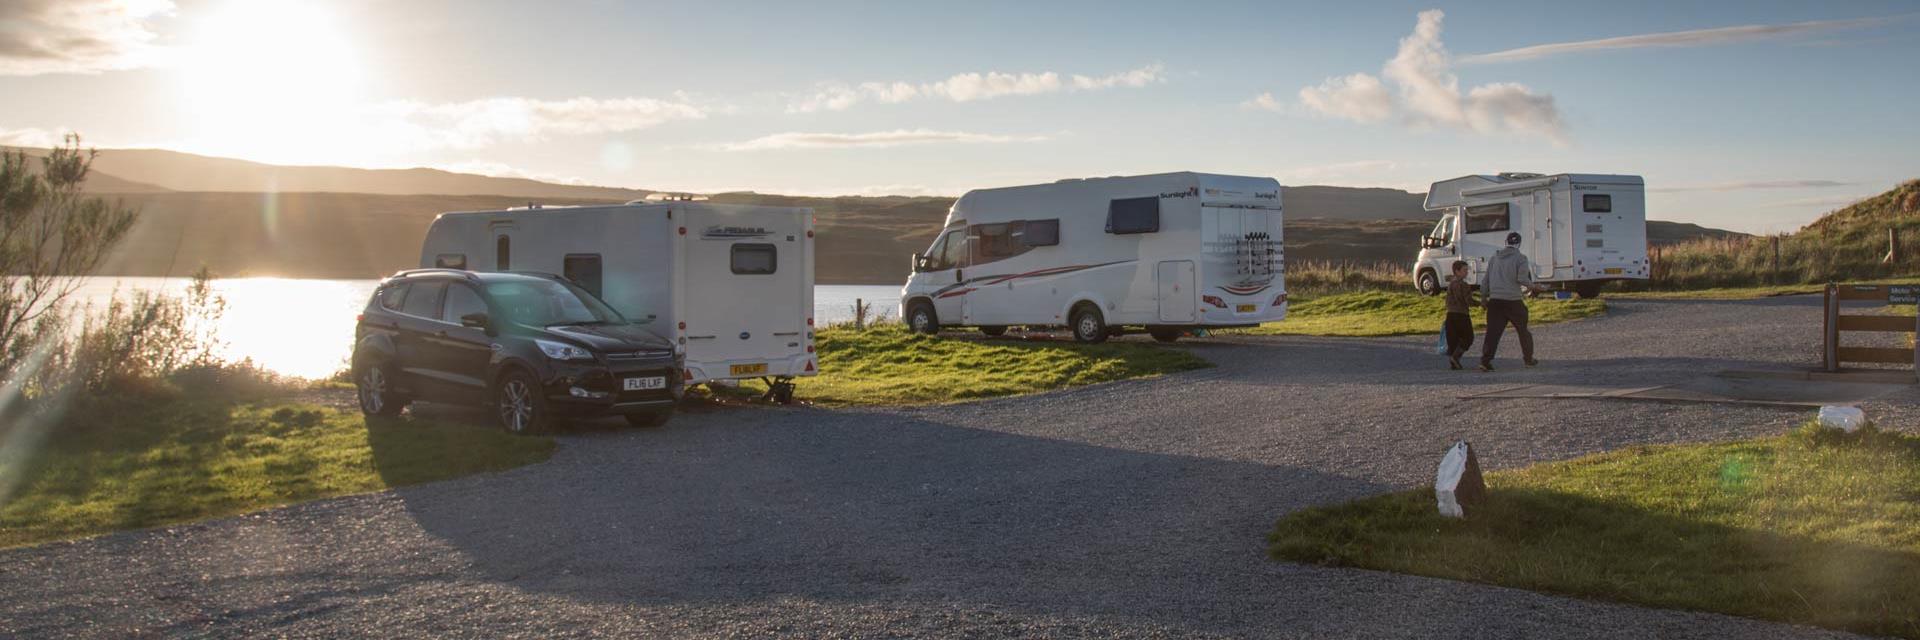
<point>1844,418</point>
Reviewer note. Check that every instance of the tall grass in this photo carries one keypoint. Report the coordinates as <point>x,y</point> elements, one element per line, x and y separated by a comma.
<point>1316,278</point>
<point>1849,244</point>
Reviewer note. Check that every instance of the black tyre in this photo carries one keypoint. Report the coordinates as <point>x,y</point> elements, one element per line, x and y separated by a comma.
<point>1589,288</point>
<point>1088,325</point>
<point>520,405</point>
<point>374,385</point>
<point>922,319</point>
<point>1429,282</point>
<point>649,419</point>
<point>1163,335</point>
<point>995,331</point>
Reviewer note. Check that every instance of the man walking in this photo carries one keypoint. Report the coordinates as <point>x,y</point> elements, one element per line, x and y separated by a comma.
<point>1504,282</point>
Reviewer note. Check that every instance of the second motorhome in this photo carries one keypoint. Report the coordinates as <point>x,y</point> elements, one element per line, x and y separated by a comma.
<point>1168,254</point>
<point>1579,230</point>
<point>731,284</point>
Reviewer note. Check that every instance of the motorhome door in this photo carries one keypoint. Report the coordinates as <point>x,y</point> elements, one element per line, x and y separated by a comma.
<point>1177,302</point>
<point>1541,234</point>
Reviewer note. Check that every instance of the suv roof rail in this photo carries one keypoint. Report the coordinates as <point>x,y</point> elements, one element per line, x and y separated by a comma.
<point>421,272</point>
<point>530,272</point>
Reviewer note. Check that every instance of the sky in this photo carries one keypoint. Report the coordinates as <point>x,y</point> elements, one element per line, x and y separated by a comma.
<point>1754,116</point>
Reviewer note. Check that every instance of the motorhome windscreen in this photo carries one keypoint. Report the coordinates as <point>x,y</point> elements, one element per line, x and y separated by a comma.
<point>544,303</point>
<point>754,259</point>
<point>1596,203</point>
<point>1488,217</point>
<point>1134,215</point>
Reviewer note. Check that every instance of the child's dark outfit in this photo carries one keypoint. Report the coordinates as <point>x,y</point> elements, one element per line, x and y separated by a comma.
<point>1459,324</point>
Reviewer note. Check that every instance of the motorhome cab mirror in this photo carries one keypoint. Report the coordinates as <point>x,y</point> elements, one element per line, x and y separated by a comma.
<point>919,263</point>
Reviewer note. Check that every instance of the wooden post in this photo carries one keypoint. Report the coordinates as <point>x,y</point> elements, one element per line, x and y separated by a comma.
<point>1830,330</point>
<point>1775,276</point>
<point>1893,246</point>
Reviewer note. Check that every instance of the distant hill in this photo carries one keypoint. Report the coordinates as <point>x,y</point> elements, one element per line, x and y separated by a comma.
<point>1897,206</point>
<point>247,218</point>
<point>161,170</point>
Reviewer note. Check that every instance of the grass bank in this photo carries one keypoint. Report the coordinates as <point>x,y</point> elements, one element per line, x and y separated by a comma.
<point>1399,313</point>
<point>887,365</point>
<point>1814,527</point>
<point>1749,293</point>
<point>157,461</point>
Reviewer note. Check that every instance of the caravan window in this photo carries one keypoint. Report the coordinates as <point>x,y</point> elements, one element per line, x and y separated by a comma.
<point>1488,217</point>
<point>754,259</point>
<point>1596,203</point>
<point>1040,233</point>
<point>451,261</point>
<point>584,270</point>
<point>1133,215</point>
<point>502,250</point>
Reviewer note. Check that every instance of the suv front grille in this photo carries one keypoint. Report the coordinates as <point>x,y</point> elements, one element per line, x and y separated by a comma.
<point>638,355</point>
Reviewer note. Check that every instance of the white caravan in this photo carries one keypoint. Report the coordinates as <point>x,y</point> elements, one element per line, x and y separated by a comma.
<point>1169,253</point>
<point>732,284</point>
<point>1579,230</point>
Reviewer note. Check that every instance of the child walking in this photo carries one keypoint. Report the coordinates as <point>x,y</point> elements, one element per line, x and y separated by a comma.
<point>1459,324</point>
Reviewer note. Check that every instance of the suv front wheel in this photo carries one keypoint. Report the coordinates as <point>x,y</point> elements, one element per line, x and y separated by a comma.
<point>520,405</point>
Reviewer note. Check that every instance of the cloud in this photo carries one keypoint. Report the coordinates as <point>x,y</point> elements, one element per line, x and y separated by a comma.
<point>1264,102</point>
<point>78,36</point>
<point>968,87</point>
<point>30,137</point>
<point>1757,184</point>
<point>489,121</point>
<point>897,137</point>
<point>1429,93</point>
<point>1692,38</point>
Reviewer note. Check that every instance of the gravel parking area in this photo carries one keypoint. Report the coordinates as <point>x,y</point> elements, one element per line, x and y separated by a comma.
<point>1133,509</point>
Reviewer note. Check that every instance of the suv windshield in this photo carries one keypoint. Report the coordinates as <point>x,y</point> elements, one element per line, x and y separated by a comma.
<point>544,303</point>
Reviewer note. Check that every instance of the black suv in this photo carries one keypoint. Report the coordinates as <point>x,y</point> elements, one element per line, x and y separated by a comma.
<point>535,347</point>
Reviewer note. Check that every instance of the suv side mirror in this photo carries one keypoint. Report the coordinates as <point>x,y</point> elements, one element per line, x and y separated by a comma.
<point>476,320</point>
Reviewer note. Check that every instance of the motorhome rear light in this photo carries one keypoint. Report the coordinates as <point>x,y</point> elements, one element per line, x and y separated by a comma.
<point>809,233</point>
<point>809,322</point>
<point>1214,300</point>
<point>809,348</point>
<point>1279,299</point>
<point>683,326</point>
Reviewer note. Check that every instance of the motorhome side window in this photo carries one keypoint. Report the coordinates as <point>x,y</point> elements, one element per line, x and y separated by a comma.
<point>451,261</point>
<point>754,259</point>
<point>1040,233</point>
<point>999,241</point>
<point>502,254</point>
<point>1488,217</point>
<point>1133,215</point>
<point>584,269</point>
<point>1596,203</point>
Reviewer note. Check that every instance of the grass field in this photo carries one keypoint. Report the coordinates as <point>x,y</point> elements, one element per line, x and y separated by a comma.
<point>887,365</point>
<point>1398,313</point>
<point>158,462</point>
<point>1815,527</point>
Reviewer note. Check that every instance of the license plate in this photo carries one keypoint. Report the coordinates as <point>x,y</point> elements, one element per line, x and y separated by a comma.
<point>1244,308</point>
<point>644,384</point>
<point>1614,271</point>
<point>754,369</point>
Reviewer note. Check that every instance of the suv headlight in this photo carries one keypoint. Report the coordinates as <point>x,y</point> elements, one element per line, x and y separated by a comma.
<point>562,350</point>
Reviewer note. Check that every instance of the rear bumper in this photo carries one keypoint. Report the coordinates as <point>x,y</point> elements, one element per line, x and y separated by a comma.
<point>804,364</point>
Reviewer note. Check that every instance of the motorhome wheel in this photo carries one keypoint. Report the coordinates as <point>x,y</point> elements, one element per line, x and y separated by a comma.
<point>922,319</point>
<point>1429,282</point>
<point>1088,325</point>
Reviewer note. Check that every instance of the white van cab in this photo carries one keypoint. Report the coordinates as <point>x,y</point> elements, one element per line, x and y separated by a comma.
<point>1167,254</point>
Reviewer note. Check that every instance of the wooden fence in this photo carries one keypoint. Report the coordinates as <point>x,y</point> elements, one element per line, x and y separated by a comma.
<point>1836,323</point>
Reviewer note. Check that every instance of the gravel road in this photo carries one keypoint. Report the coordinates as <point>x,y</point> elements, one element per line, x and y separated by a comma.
<point>1134,509</point>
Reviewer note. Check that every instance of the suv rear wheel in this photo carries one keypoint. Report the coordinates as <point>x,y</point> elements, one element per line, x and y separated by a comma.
<point>519,404</point>
<point>375,389</point>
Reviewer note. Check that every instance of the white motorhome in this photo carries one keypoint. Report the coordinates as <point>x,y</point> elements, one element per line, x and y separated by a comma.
<point>1579,230</point>
<point>1168,253</point>
<point>731,284</point>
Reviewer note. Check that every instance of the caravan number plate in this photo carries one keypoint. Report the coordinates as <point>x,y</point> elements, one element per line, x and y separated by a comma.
<point>1244,308</point>
<point>1614,271</point>
<point>757,368</point>
<point>643,384</point>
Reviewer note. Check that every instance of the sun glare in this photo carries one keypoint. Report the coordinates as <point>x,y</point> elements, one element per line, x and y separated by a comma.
<point>273,80</point>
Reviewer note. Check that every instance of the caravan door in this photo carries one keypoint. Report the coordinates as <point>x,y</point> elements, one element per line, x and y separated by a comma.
<point>1177,302</point>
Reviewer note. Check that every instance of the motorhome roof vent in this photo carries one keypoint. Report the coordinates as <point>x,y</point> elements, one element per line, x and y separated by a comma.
<point>672,197</point>
<point>1519,175</point>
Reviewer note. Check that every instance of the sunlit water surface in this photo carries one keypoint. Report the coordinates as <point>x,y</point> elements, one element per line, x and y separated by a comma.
<point>302,327</point>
